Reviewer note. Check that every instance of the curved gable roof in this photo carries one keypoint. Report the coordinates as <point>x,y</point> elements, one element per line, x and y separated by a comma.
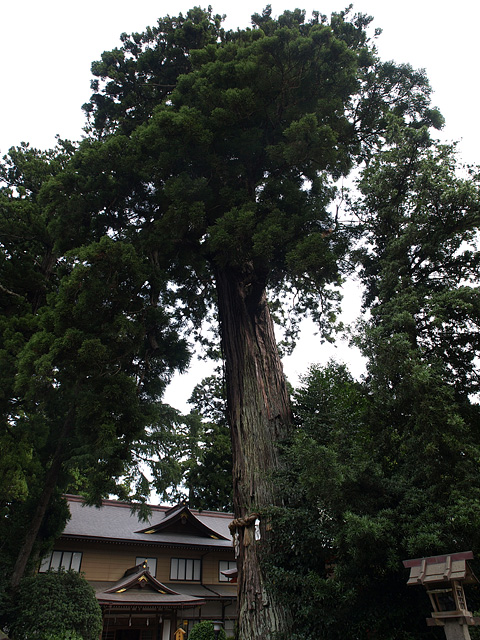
<point>180,519</point>
<point>141,577</point>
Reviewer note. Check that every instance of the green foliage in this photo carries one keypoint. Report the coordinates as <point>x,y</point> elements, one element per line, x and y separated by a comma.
<point>226,146</point>
<point>355,511</point>
<point>386,469</point>
<point>86,350</point>
<point>212,161</point>
<point>420,213</point>
<point>53,606</point>
<point>204,631</point>
<point>207,469</point>
<point>133,79</point>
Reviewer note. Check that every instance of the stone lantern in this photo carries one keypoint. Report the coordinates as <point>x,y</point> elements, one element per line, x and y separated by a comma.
<point>444,577</point>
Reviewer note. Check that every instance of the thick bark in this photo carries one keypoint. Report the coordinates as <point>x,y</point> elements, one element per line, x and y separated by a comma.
<point>260,416</point>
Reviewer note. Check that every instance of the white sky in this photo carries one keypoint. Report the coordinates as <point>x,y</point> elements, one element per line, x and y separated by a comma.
<point>46,49</point>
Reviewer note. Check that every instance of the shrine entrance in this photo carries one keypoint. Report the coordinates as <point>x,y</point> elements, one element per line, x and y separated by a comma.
<point>128,634</point>
<point>152,628</point>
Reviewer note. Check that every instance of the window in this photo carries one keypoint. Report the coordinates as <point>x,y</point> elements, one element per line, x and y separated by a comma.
<point>59,560</point>
<point>151,563</point>
<point>225,565</point>
<point>185,569</point>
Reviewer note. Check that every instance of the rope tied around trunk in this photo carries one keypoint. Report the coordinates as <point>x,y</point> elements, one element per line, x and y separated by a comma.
<point>248,535</point>
<point>240,523</point>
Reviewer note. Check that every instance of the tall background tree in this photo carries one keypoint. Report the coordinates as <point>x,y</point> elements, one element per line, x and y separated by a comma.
<point>215,155</point>
<point>421,209</point>
<point>387,468</point>
<point>207,469</point>
<point>86,351</point>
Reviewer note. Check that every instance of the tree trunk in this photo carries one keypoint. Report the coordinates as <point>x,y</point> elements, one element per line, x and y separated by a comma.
<point>260,416</point>
<point>48,489</point>
<point>35,524</point>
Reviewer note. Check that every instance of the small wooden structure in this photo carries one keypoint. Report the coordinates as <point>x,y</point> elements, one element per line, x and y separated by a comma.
<point>444,577</point>
<point>180,633</point>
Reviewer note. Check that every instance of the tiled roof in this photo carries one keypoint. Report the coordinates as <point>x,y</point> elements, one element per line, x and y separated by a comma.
<point>212,592</point>
<point>143,597</point>
<point>114,521</point>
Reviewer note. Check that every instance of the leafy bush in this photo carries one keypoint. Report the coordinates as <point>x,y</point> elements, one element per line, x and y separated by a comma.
<point>204,631</point>
<point>66,635</point>
<point>54,606</point>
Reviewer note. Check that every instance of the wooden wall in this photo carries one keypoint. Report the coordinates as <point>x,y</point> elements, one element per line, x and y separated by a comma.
<point>108,562</point>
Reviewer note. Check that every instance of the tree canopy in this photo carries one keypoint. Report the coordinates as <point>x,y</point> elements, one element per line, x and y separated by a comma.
<point>203,191</point>
<point>385,469</point>
<point>220,159</point>
<point>86,351</point>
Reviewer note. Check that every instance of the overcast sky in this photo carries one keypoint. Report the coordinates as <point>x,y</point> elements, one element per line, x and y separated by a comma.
<point>47,49</point>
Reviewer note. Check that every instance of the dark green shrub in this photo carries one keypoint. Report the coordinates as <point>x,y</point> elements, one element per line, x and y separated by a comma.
<point>204,631</point>
<point>54,606</point>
